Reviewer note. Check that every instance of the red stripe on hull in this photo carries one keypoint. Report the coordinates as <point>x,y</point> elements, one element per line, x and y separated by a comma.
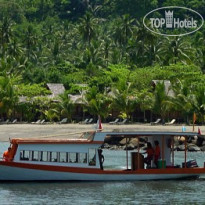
<point>99,171</point>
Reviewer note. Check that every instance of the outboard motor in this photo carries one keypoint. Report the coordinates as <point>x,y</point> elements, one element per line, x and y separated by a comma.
<point>190,164</point>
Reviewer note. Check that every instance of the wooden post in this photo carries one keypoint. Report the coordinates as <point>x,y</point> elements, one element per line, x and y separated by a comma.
<point>138,154</point>
<point>172,147</point>
<point>185,152</point>
<point>162,147</point>
<point>126,154</point>
<point>163,152</point>
<point>194,120</point>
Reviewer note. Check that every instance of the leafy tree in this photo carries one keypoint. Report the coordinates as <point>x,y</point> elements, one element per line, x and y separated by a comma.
<point>160,98</point>
<point>65,106</point>
<point>32,90</point>
<point>146,101</point>
<point>87,27</point>
<point>98,104</point>
<point>8,94</point>
<point>176,50</point>
<point>123,100</point>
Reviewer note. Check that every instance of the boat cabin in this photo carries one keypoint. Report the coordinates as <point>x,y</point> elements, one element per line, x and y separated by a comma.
<point>82,152</point>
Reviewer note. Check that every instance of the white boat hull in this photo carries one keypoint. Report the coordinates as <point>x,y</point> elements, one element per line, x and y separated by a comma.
<point>23,174</point>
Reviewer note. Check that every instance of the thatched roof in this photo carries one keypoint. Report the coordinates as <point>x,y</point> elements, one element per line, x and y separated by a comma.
<point>56,88</point>
<point>167,85</point>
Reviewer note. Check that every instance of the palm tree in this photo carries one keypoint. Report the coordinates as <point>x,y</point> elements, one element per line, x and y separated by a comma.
<point>183,101</point>
<point>145,100</point>
<point>176,50</point>
<point>8,94</point>
<point>65,106</point>
<point>87,27</point>
<point>15,49</point>
<point>160,98</point>
<point>106,49</point>
<point>199,105</point>
<point>143,47</point>
<point>199,43</point>
<point>123,30</point>
<point>6,30</point>
<point>98,104</point>
<point>30,40</point>
<point>123,100</point>
<point>6,33</point>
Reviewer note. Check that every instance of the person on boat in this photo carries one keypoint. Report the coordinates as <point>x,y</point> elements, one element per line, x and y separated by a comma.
<point>7,155</point>
<point>156,152</point>
<point>101,157</point>
<point>150,154</point>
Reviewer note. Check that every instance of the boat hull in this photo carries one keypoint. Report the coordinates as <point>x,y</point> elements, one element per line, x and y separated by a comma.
<point>23,173</point>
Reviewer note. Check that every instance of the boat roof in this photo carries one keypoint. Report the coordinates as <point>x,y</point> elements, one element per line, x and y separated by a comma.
<point>99,137</point>
<point>130,134</point>
<point>49,141</point>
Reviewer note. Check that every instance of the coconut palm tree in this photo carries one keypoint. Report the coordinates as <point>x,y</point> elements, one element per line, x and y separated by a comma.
<point>199,105</point>
<point>87,27</point>
<point>123,100</point>
<point>65,106</point>
<point>6,30</point>
<point>183,101</point>
<point>176,50</point>
<point>123,30</point>
<point>30,41</point>
<point>146,101</point>
<point>97,104</point>
<point>8,94</point>
<point>160,106</point>
<point>199,43</point>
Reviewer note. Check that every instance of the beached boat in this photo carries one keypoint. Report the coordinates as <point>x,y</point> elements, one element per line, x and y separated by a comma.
<point>81,159</point>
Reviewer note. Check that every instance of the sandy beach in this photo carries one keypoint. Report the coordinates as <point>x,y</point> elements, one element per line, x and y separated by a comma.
<point>73,130</point>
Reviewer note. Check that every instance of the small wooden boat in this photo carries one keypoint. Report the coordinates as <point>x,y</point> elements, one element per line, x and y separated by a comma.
<point>81,159</point>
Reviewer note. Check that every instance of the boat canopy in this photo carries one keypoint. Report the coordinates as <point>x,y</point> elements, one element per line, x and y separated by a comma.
<point>49,141</point>
<point>150,133</point>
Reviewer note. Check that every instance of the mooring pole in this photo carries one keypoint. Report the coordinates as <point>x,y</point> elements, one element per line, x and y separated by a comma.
<point>126,154</point>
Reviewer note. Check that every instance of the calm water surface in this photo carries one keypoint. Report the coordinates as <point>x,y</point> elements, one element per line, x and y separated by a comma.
<point>151,192</point>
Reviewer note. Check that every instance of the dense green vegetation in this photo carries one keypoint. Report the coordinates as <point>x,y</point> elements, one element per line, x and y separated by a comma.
<point>102,44</point>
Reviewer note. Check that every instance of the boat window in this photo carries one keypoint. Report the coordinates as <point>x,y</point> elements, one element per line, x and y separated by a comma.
<point>92,157</point>
<point>34,155</point>
<point>44,156</point>
<point>54,157</point>
<point>73,157</point>
<point>83,157</point>
<point>63,157</point>
<point>24,155</point>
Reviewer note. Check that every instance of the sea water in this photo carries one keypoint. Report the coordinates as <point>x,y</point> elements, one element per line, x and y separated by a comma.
<point>139,192</point>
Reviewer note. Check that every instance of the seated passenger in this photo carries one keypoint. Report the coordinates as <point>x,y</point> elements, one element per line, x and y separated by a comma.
<point>7,155</point>
<point>150,154</point>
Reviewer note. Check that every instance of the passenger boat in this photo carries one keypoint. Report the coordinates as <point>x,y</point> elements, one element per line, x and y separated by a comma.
<point>80,159</point>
